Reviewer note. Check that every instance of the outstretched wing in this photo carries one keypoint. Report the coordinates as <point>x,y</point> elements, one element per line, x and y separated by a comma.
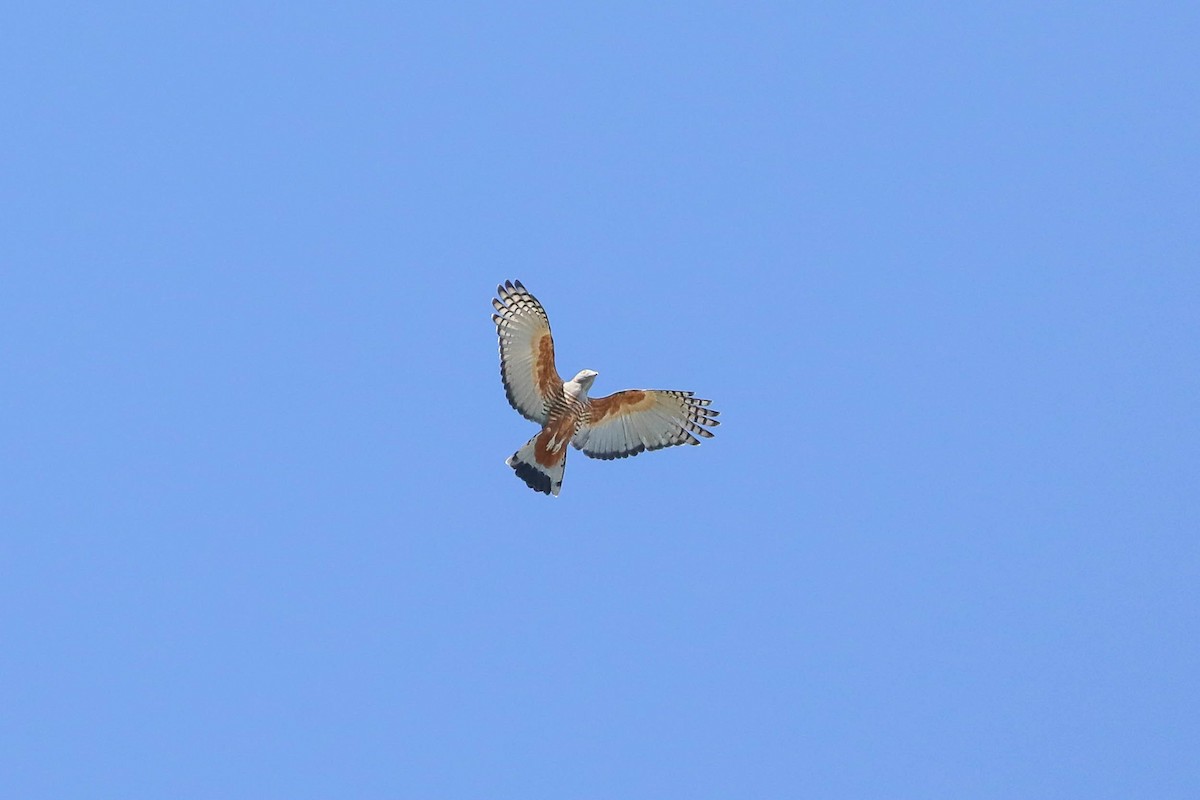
<point>526,351</point>
<point>626,423</point>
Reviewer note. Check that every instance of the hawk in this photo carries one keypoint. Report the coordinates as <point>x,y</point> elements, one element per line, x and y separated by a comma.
<point>620,425</point>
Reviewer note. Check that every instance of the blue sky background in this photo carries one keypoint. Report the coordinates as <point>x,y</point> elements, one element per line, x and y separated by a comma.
<point>936,263</point>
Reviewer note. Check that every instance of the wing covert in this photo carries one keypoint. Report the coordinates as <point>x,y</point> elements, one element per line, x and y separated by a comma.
<point>526,351</point>
<point>627,423</point>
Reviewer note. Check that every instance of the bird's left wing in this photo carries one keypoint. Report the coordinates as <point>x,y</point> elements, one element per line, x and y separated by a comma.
<point>526,352</point>
<point>626,423</point>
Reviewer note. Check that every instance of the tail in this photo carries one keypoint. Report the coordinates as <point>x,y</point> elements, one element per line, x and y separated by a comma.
<point>544,474</point>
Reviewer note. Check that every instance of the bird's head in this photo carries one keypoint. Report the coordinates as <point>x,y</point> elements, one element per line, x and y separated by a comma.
<point>585,378</point>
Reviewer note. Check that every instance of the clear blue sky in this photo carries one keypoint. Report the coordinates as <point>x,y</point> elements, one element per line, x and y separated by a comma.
<point>938,264</point>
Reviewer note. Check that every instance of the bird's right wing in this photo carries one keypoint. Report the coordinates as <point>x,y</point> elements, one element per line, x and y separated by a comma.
<point>526,352</point>
<point>626,423</point>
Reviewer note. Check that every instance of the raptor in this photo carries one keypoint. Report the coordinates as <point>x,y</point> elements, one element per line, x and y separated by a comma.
<point>617,426</point>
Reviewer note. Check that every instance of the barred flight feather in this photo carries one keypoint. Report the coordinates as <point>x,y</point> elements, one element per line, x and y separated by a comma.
<point>527,369</point>
<point>639,420</point>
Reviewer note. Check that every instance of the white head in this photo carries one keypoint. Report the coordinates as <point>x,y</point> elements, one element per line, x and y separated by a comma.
<point>585,378</point>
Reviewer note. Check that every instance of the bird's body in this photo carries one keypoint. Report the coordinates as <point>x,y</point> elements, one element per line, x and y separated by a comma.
<point>620,425</point>
<point>546,453</point>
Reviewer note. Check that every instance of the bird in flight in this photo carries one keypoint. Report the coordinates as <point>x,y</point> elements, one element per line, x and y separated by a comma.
<point>620,425</point>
